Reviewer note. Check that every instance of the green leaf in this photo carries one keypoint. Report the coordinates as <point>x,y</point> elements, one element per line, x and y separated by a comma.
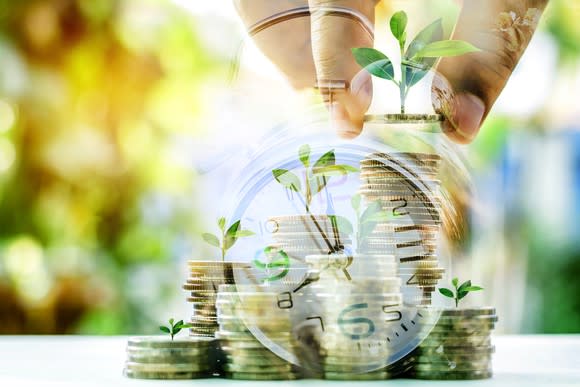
<point>319,181</point>
<point>461,294</point>
<point>179,323</point>
<point>433,32</point>
<point>334,170</point>
<point>304,155</point>
<point>446,292</point>
<point>211,239</point>
<point>343,224</point>
<point>375,62</point>
<point>176,330</point>
<point>473,288</point>
<point>231,235</point>
<point>164,329</point>
<point>398,23</point>
<point>366,222</point>
<point>373,208</point>
<point>222,223</point>
<point>287,179</point>
<point>188,325</point>
<point>355,202</point>
<point>171,321</point>
<point>455,281</point>
<point>445,48</point>
<point>325,160</point>
<point>381,216</point>
<point>244,233</point>
<point>464,285</point>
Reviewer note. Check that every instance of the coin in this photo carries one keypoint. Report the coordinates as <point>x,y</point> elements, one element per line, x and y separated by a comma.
<point>164,342</point>
<point>452,366</point>
<point>173,358</point>
<point>453,375</point>
<point>468,312</point>
<point>377,375</point>
<point>144,352</point>
<point>166,367</point>
<point>260,376</point>
<point>432,340</point>
<point>266,369</point>
<point>444,350</point>
<point>164,375</point>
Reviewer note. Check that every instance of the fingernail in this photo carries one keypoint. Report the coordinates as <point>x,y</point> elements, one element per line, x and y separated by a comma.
<point>340,119</point>
<point>362,85</point>
<point>468,114</point>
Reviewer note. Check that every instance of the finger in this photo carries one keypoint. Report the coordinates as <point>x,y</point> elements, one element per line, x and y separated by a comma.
<point>502,30</point>
<point>333,38</point>
<point>287,43</point>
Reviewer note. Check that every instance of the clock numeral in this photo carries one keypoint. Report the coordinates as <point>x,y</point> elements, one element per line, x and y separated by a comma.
<point>362,327</point>
<point>285,300</point>
<point>317,318</point>
<point>395,209</point>
<point>392,315</point>
<point>413,280</point>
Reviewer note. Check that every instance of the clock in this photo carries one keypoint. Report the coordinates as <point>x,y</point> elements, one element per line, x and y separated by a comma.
<point>347,250</point>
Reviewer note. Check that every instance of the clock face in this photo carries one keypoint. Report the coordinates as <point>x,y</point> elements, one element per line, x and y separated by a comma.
<point>345,255</point>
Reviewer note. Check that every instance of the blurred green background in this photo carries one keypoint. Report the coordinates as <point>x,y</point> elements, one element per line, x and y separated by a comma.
<point>100,204</point>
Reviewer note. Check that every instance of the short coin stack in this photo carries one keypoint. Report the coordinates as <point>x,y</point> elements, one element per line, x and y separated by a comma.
<point>158,357</point>
<point>375,286</point>
<point>204,279</point>
<point>411,232</point>
<point>458,346</point>
<point>245,356</point>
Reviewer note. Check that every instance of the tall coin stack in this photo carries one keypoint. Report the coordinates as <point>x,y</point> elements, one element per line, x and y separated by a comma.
<point>458,346</point>
<point>375,286</point>
<point>411,232</point>
<point>162,358</point>
<point>302,235</point>
<point>204,279</point>
<point>239,308</point>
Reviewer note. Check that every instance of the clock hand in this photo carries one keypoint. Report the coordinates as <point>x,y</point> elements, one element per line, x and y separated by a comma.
<point>311,276</point>
<point>332,249</point>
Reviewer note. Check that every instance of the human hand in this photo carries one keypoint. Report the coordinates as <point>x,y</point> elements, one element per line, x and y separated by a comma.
<point>464,88</point>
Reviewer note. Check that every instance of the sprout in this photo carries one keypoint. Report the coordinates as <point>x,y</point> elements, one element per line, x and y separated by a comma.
<point>461,291</point>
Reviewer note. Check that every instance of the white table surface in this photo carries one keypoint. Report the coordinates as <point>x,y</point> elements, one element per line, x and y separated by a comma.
<point>66,361</point>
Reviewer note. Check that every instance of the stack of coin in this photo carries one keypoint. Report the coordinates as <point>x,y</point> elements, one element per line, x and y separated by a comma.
<point>239,309</point>
<point>204,279</point>
<point>407,189</point>
<point>458,346</point>
<point>158,357</point>
<point>302,235</point>
<point>347,352</point>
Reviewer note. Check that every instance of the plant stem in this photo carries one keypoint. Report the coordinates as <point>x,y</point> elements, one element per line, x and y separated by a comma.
<point>308,188</point>
<point>223,246</point>
<point>402,85</point>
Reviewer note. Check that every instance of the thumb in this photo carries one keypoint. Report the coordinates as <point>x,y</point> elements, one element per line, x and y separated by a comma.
<point>466,87</point>
<point>346,89</point>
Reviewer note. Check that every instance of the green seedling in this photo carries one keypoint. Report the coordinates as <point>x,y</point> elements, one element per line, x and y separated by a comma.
<point>460,290</point>
<point>417,58</point>
<point>174,329</point>
<point>316,175</point>
<point>229,236</point>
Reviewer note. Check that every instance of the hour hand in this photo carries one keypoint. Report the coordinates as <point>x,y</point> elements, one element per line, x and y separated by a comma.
<point>311,276</point>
